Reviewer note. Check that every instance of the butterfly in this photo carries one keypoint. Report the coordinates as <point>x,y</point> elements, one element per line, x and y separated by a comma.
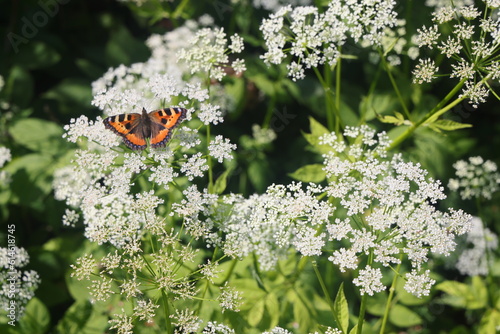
<point>136,129</point>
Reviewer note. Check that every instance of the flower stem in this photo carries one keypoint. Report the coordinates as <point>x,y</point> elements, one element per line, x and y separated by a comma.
<point>362,311</point>
<point>394,85</point>
<point>167,311</point>
<point>391,296</point>
<point>432,115</point>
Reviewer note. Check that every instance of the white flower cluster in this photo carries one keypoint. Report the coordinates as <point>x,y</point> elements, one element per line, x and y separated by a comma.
<point>165,50</point>
<point>208,52</point>
<point>5,156</point>
<point>389,208</point>
<point>17,285</point>
<point>313,37</point>
<point>473,258</point>
<point>446,3</point>
<point>470,38</point>
<point>275,5</point>
<point>100,183</point>
<point>475,179</point>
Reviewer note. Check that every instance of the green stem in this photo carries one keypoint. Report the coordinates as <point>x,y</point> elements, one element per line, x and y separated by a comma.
<point>391,296</point>
<point>269,112</point>
<point>437,111</point>
<point>325,80</point>
<point>328,99</point>
<point>167,311</point>
<point>327,295</point>
<point>338,72</point>
<point>362,311</point>
<point>179,9</point>
<point>394,85</point>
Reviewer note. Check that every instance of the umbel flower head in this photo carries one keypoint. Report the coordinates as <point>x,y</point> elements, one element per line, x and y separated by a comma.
<point>467,37</point>
<point>313,38</point>
<point>387,212</point>
<point>18,286</point>
<point>475,179</point>
<point>473,250</point>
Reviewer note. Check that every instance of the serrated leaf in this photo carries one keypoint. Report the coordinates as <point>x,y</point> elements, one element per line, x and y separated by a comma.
<point>317,130</point>
<point>398,119</point>
<point>448,125</point>
<point>309,173</point>
<point>341,310</point>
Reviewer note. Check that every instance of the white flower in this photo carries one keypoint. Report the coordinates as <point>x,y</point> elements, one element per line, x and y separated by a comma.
<point>476,178</point>
<point>369,281</point>
<point>207,52</point>
<point>210,113</point>
<point>5,156</point>
<point>312,38</point>
<point>194,166</point>
<point>221,148</point>
<point>419,284</point>
<point>425,71</point>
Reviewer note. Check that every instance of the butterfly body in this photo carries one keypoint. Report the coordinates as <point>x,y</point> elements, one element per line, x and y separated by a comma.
<point>137,129</point>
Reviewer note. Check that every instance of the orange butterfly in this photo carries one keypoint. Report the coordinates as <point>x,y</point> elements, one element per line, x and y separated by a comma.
<point>137,128</point>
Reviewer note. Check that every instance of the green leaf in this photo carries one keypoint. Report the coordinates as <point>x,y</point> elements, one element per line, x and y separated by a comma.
<point>79,290</point>
<point>447,125</point>
<point>403,317</point>
<point>257,174</point>
<point>36,318</point>
<point>81,318</point>
<point>37,135</point>
<point>309,173</point>
<point>341,310</point>
<point>273,309</point>
<point>264,84</point>
<point>37,54</point>
<point>463,295</point>
<point>489,322</point>
<point>256,313</point>
<point>303,312</point>
<point>317,130</point>
<point>398,119</point>
<point>31,179</point>
<point>18,87</point>
<point>221,182</point>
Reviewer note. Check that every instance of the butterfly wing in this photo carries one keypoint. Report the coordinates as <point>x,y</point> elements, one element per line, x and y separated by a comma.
<point>129,126</point>
<point>163,121</point>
